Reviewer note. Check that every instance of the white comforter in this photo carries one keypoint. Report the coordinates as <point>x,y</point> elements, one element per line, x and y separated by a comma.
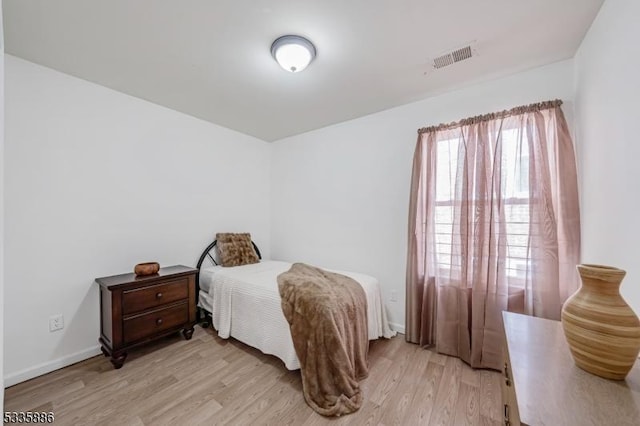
<point>245,303</point>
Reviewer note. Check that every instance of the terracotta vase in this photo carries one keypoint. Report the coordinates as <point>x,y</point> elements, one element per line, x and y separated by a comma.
<point>603,332</point>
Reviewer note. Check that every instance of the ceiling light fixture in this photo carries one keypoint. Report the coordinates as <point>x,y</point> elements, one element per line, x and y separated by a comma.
<point>293,52</point>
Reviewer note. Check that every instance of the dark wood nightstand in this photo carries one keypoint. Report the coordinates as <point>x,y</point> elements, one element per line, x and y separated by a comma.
<point>135,310</point>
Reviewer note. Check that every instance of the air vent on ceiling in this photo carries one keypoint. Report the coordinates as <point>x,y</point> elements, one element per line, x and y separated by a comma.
<point>452,57</point>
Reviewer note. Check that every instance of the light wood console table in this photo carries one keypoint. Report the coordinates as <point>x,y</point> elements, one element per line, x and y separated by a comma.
<point>543,386</point>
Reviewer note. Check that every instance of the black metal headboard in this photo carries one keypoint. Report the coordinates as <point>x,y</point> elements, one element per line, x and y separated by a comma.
<point>207,253</point>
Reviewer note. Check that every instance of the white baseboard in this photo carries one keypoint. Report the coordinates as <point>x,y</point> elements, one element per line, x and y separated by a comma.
<point>397,327</point>
<point>49,366</point>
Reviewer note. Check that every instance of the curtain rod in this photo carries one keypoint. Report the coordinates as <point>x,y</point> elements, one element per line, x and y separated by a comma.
<point>539,106</point>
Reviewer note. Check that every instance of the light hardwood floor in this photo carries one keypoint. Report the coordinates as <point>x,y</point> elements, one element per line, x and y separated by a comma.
<point>208,380</point>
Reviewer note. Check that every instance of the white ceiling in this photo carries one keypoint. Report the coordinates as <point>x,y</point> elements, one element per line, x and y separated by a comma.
<point>211,59</point>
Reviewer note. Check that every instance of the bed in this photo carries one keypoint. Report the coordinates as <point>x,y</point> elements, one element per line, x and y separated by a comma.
<point>243,302</point>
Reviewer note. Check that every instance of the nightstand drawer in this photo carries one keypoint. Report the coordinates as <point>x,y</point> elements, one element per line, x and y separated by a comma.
<point>140,326</point>
<point>144,298</point>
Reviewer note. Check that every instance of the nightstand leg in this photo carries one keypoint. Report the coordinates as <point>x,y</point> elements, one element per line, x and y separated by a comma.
<point>187,333</point>
<point>117,359</point>
<point>104,351</point>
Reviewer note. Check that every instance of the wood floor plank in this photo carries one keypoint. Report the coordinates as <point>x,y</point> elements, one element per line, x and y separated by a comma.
<point>438,358</point>
<point>486,421</point>
<point>123,419</point>
<point>392,376</point>
<point>192,411</point>
<point>242,393</point>
<point>490,395</point>
<point>43,384</point>
<point>470,376</point>
<point>377,373</point>
<point>467,410</point>
<point>209,380</point>
<point>274,406</point>
<point>406,388</point>
<point>386,348</point>
<point>191,389</point>
<point>369,414</point>
<point>295,415</point>
<point>109,406</point>
<point>422,406</point>
<point>42,396</point>
<point>89,396</point>
<point>448,391</point>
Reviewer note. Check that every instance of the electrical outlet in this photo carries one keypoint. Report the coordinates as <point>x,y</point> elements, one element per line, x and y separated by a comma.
<point>56,322</point>
<point>394,296</point>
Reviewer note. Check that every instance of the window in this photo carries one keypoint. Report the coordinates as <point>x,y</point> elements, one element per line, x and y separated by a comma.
<point>494,225</point>
<point>512,203</point>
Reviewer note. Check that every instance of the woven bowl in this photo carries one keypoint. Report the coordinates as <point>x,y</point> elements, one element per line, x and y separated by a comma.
<point>147,268</point>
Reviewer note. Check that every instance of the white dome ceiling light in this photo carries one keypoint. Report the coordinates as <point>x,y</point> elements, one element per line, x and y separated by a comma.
<point>293,52</point>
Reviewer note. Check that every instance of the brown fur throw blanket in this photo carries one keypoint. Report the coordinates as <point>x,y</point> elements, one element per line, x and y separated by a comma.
<point>327,315</point>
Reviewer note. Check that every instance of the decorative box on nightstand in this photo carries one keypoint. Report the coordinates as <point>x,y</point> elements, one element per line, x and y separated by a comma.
<point>135,310</point>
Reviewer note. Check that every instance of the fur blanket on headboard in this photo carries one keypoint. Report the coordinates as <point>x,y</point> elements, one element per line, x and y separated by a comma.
<point>327,315</point>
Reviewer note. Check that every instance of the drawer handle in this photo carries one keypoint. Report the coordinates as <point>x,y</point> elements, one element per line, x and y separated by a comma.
<point>506,415</point>
<point>507,379</point>
<point>159,321</point>
<point>158,295</point>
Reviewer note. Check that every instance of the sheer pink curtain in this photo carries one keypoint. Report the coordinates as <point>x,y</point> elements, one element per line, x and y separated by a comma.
<point>494,225</point>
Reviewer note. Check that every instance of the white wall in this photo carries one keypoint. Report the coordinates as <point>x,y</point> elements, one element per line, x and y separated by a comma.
<point>340,195</point>
<point>607,112</point>
<point>1,211</point>
<point>97,181</point>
